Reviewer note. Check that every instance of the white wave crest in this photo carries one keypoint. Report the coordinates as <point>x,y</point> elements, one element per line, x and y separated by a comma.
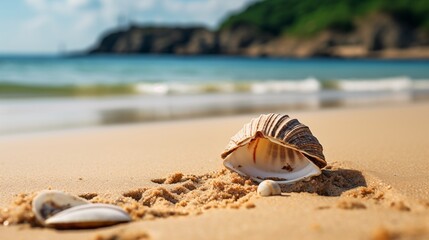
<point>307,85</point>
<point>385,84</point>
<point>421,84</point>
<point>183,88</point>
<point>152,88</point>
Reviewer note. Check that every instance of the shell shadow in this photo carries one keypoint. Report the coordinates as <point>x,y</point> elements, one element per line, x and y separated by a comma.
<point>332,182</point>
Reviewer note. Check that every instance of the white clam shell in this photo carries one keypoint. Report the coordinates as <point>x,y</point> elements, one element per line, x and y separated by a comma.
<point>61,210</point>
<point>50,202</point>
<point>269,188</point>
<point>89,216</point>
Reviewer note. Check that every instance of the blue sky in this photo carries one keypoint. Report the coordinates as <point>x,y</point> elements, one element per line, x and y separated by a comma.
<point>45,26</point>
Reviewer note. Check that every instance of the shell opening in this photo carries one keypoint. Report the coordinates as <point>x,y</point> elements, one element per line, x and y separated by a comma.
<point>262,158</point>
<point>50,202</point>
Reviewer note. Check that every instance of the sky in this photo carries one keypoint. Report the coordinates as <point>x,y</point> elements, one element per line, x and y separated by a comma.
<point>50,26</point>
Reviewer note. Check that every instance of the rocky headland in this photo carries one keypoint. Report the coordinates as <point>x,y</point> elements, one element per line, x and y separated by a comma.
<point>378,34</point>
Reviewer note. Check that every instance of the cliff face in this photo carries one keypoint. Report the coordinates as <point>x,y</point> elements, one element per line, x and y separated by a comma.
<point>378,35</point>
<point>175,40</point>
<point>191,40</point>
<point>374,36</point>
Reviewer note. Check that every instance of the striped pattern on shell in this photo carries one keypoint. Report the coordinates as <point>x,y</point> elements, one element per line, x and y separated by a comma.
<point>285,131</point>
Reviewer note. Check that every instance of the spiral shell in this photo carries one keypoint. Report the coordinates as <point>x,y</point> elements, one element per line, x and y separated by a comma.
<point>268,188</point>
<point>276,147</point>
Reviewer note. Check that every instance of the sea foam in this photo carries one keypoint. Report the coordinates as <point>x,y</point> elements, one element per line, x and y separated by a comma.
<point>306,85</point>
<point>373,85</point>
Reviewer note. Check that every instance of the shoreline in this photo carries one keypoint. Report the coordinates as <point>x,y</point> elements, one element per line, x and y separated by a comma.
<point>109,161</point>
<point>35,115</point>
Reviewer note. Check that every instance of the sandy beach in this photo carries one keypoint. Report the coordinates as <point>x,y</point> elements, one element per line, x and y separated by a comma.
<point>375,186</point>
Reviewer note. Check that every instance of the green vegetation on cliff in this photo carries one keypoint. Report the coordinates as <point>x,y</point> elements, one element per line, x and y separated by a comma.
<point>308,17</point>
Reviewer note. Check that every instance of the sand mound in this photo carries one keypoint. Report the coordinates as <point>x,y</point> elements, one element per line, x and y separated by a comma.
<point>333,181</point>
<point>344,204</point>
<point>411,233</point>
<point>177,195</point>
<point>180,195</point>
<point>19,211</point>
<point>123,235</point>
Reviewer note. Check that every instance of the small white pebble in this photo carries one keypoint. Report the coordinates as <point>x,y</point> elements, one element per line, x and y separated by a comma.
<point>269,188</point>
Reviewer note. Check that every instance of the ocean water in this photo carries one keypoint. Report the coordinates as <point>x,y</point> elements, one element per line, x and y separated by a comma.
<point>51,92</point>
<point>183,72</point>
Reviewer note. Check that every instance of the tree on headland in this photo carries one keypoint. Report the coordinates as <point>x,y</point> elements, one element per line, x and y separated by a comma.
<point>305,18</point>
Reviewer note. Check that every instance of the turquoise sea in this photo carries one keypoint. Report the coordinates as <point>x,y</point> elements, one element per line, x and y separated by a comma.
<point>95,70</point>
<point>51,92</point>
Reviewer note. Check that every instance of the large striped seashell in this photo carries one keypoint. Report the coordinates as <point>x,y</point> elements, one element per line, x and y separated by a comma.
<point>275,147</point>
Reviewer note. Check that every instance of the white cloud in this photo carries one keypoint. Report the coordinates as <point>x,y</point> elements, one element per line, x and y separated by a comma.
<point>202,6</point>
<point>79,22</point>
<point>36,23</point>
<point>85,22</point>
<point>208,12</point>
<point>144,4</point>
<point>75,4</point>
<point>39,5</point>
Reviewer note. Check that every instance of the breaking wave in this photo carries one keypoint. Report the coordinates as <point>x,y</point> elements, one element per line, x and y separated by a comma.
<point>308,85</point>
<point>393,84</point>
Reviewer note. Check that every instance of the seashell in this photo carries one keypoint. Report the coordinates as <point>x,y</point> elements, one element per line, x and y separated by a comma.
<point>50,202</point>
<point>275,147</point>
<point>61,210</point>
<point>269,188</point>
<point>88,216</point>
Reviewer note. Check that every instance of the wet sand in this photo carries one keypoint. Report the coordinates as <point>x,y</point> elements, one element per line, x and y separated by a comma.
<point>375,187</point>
